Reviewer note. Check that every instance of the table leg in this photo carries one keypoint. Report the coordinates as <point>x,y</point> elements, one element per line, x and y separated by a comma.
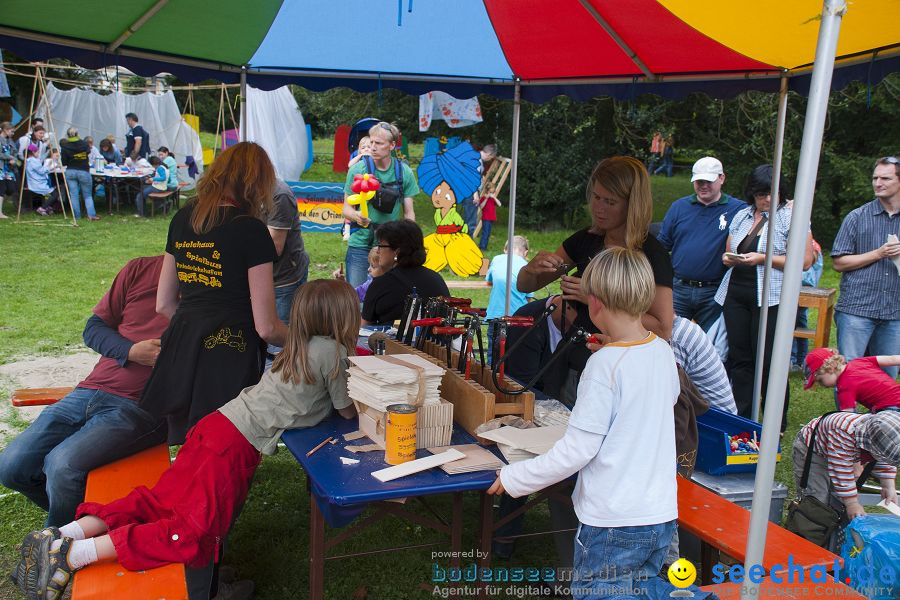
<point>316,550</point>
<point>485,537</point>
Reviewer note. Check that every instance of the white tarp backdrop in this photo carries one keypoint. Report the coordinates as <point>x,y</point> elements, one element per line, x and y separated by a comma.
<point>274,122</point>
<point>98,116</point>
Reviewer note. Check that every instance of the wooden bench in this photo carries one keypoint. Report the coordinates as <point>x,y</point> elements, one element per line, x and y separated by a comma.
<point>722,526</point>
<point>477,284</point>
<point>104,580</point>
<point>38,396</point>
<point>822,300</point>
<point>165,195</point>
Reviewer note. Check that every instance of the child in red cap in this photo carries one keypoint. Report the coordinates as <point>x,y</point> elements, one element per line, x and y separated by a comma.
<point>860,380</point>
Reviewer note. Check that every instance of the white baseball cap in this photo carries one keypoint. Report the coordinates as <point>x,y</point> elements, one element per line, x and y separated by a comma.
<point>707,169</point>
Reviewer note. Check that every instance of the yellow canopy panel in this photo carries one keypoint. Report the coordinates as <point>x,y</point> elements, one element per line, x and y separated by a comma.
<point>784,32</point>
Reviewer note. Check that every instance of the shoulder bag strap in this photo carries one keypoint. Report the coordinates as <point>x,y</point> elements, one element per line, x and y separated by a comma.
<point>867,470</point>
<point>810,449</point>
<point>370,164</point>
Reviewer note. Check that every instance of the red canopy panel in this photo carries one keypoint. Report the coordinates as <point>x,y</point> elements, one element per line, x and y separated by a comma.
<point>551,40</point>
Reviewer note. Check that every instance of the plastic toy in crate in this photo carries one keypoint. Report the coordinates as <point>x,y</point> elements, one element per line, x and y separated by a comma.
<point>727,443</point>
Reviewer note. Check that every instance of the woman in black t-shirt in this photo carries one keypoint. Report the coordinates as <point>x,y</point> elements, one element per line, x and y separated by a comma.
<point>216,288</point>
<point>399,243</point>
<point>621,207</point>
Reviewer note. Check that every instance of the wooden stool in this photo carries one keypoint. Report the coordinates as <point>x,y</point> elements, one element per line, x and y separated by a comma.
<point>821,299</point>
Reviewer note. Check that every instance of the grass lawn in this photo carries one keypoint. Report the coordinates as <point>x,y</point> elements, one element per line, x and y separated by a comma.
<point>53,274</point>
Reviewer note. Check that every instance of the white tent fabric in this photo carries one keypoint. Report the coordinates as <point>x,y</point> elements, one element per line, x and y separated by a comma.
<point>98,116</point>
<point>274,122</point>
<point>457,112</point>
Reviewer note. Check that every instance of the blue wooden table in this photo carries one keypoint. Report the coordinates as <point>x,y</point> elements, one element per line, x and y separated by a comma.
<point>339,493</point>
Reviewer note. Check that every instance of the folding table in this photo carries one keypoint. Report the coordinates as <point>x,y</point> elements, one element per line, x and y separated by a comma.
<point>339,493</point>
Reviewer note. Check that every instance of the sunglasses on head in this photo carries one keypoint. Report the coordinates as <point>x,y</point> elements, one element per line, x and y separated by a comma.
<point>890,160</point>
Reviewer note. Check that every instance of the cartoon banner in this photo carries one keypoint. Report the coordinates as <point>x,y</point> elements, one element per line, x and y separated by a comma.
<point>319,204</point>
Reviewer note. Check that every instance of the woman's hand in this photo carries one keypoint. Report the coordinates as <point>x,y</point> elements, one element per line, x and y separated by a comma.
<point>361,220</point>
<point>754,259</point>
<point>571,289</point>
<point>545,263</point>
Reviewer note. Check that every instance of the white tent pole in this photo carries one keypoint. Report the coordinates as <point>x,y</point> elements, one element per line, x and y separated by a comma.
<point>770,242</point>
<point>513,173</point>
<point>243,124</point>
<point>810,151</point>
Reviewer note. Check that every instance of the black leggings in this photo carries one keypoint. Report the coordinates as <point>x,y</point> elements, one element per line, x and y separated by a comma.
<point>742,323</point>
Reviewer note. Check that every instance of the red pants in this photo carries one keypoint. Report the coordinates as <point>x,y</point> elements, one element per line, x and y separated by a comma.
<point>183,518</point>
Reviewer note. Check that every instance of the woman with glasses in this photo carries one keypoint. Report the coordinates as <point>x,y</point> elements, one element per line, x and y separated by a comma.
<point>740,292</point>
<point>393,201</point>
<point>400,252</point>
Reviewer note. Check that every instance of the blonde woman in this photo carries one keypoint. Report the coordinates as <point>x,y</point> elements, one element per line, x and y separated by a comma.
<point>621,207</point>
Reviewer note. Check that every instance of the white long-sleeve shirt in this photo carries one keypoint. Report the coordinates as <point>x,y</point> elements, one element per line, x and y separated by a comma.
<point>620,440</point>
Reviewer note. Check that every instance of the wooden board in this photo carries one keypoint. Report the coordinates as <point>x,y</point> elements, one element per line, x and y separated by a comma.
<point>521,405</point>
<point>106,580</point>
<point>472,403</point>
<point>38,396</point>
<point>475,401</point>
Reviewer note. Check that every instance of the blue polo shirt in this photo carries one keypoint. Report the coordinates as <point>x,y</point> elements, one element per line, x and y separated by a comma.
<point>695,234</point>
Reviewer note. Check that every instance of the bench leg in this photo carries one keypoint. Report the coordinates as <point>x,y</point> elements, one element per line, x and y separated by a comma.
<point>316,550</point>
<point>709,556</point>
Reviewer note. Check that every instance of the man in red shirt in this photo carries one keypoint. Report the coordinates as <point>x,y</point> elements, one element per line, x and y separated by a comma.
<point>861,380</point>
<point>99,421</point>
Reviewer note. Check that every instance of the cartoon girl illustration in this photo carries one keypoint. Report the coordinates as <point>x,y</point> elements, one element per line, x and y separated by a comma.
<point>450,177</point>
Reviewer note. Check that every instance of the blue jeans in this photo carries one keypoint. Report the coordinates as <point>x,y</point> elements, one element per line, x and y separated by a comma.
<point>284,298</point>
<point>862,336</point>
<point>357,266</point>
<point>696,303</point>
<point>470,215</point>
<point>81,185</point>
<point>48,462</point>
<point>485,234</point>
<point>623,562</point>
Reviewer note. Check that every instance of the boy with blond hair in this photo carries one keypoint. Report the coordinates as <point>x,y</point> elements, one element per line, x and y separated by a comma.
<point>620,440</point>
<point>860,380</point>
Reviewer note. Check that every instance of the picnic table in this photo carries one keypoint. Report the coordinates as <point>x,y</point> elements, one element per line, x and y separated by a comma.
<point>338,494</point>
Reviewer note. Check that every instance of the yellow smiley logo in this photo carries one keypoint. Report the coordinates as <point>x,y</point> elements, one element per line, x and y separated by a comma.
<point>682,573</point>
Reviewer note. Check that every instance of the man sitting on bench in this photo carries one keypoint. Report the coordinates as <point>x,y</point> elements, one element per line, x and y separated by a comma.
<point>99,421</point>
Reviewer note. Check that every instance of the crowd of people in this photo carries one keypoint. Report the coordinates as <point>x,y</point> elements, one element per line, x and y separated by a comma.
<point>184,339</point>
<point>72,171</point>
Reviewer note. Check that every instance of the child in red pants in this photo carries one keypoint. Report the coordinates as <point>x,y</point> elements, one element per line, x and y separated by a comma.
<point>183,518</point>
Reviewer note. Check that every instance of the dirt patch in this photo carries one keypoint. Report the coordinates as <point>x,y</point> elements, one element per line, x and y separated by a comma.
<point>42,371</point>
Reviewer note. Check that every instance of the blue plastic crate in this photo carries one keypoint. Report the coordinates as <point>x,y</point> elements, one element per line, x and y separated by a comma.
<point>714,455</point>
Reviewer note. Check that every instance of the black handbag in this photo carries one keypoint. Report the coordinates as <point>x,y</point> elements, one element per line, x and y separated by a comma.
<point>809,517</point>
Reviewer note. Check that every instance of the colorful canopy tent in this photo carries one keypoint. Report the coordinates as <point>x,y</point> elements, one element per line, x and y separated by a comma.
<point>581,48</point>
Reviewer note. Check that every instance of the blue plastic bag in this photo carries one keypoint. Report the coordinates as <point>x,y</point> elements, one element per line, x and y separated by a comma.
<point>871,553</point>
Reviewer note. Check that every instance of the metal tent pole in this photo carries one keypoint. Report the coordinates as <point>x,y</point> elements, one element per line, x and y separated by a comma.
<point>513,173</point>
<point>243,124</point>
<point>811,148</point>
<point>770,243</point>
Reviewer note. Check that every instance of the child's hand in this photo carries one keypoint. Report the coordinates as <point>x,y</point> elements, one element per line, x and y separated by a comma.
<point>338,274</point>
<point>497,487</point>
<point>596,341</point>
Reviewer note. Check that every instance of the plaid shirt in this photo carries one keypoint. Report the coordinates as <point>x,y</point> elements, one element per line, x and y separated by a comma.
<point>740,226</point>
<point>695,353</point>
<point>841,440</point>
<point>872,291</point>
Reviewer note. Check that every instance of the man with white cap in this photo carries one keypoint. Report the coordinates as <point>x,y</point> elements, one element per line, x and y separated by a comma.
<point>694,230</point>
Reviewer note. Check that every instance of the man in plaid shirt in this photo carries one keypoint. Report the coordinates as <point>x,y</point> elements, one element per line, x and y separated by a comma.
<point>843,440</point>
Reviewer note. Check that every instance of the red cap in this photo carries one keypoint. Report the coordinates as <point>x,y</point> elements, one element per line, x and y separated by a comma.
<point>814,360</point>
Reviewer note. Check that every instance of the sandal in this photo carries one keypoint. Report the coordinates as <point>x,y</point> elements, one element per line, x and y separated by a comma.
<point>25,573</point>
<point>55,572</point>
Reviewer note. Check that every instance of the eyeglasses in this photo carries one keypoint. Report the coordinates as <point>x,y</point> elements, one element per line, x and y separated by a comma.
<point>384,246</point>
<point>761,195</point>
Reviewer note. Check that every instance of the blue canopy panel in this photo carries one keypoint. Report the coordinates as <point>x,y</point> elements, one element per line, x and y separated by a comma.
<point>433,38</point>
